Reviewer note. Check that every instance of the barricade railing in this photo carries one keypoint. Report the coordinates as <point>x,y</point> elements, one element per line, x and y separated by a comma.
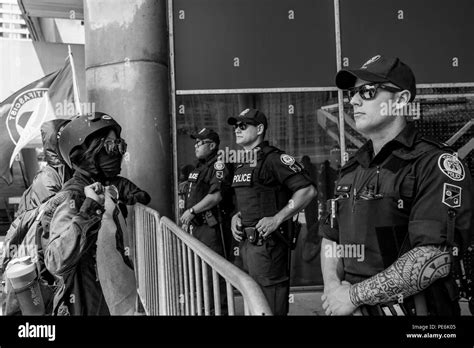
<point>146,223</point>
<point>188,288</point>
<point>178,275</point>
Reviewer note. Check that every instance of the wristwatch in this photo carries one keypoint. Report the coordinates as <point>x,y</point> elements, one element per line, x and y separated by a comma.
<point>191,210</point>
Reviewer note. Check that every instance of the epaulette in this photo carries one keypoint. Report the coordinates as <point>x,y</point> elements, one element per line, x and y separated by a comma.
<point>435,142</point>
<point>352,161</point>
<point>423,144</point>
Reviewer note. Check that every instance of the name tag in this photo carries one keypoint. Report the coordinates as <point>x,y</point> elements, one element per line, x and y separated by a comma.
<point>343,188</point>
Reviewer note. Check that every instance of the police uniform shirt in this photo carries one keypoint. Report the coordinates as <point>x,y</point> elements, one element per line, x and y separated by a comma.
<point>209,176</point>
<point>277,169</point>
<point>413,184</point>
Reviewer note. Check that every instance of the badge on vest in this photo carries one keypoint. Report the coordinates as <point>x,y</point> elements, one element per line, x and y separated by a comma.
<point>452,195</point>
<point>451,166</point>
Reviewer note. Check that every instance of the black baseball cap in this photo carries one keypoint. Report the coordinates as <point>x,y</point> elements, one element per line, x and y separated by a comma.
<point>380,69</point>
<point>252,116</point>
<point>207,133</point>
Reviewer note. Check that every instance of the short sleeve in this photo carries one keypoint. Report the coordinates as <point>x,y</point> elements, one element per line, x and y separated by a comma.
<point>287,171</point>
<point>219,177</point>
<point>442,198</point>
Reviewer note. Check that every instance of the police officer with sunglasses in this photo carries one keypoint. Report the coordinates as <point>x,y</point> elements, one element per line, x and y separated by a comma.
<point>208,200</point>
<point>403,199</point>
<point>269,192</point>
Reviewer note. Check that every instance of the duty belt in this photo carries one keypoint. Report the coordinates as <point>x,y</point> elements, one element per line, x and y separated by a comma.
<point>393,308</point>
<point>251,233</point>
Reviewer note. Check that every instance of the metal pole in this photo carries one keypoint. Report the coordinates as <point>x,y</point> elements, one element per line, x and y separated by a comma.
<point>74,83</point>
<point>340,96</point>
<point>173,110</point>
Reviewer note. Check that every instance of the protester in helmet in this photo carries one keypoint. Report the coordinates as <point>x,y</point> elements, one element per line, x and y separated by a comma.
<point>92,146</point>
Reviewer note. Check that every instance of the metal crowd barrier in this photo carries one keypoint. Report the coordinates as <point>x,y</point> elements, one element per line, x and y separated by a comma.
<point>178,275</point>
<point>144,245</point>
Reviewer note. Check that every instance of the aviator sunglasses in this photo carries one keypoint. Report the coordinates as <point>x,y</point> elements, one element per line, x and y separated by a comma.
<point>369,91</point>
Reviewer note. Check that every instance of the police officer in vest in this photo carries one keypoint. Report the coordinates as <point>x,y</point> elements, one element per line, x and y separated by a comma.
<point>209,195</point>
<point>401,215</point>
<point>270,189</point>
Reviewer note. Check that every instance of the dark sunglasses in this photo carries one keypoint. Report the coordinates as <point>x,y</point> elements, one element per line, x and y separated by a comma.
<point>115,146</point>
<point>369,91</point>
<point>243,126</point>
<point>202,142</point>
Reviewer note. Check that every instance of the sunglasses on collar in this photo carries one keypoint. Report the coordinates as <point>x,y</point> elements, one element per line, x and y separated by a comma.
<point>369,91</point>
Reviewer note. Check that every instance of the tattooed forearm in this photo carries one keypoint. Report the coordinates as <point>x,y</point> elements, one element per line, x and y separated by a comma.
<point>411,273</point>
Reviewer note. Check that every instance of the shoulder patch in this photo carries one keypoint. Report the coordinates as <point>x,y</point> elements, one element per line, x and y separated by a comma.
<point>219,165</point>
<point>287,159</point>
<point>452,195</point>
<point>451,166</point>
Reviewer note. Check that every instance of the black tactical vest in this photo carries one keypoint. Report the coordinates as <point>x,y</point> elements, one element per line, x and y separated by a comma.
<point>255,197</point>
<point>198,187</point>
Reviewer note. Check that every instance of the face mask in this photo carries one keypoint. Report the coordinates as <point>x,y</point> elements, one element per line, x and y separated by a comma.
<point>110,165</point>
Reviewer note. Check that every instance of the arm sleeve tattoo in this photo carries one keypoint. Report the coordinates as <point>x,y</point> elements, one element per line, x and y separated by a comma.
<point>409,274</point>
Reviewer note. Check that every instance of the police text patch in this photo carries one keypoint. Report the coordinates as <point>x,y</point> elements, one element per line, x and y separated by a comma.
<point>451,166</point>
<point>193,176</point>
<point>246,177</point>
<point>452,195</point>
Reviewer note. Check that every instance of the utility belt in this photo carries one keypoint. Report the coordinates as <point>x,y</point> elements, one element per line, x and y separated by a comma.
<point>393,308</point>
<point>207,218</point>
<point>289,239</point>
<point>252,235</point>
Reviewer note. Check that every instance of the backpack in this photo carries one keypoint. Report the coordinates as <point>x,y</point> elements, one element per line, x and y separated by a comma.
<point>33,244</point>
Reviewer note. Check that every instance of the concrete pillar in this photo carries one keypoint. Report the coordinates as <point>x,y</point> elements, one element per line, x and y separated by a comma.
<point>127,76</point>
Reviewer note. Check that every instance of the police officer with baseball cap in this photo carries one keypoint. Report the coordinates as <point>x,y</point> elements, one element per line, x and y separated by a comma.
<point>403,197</point>
<point>269,192</point>
<point>209,195</point>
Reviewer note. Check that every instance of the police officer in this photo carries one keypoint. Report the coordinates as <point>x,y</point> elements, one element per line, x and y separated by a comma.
<point>402,209</point>
<point>209,195</point>
<point>270,187</point>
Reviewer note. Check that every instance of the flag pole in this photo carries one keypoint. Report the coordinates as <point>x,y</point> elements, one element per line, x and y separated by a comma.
<point>74,83</point>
